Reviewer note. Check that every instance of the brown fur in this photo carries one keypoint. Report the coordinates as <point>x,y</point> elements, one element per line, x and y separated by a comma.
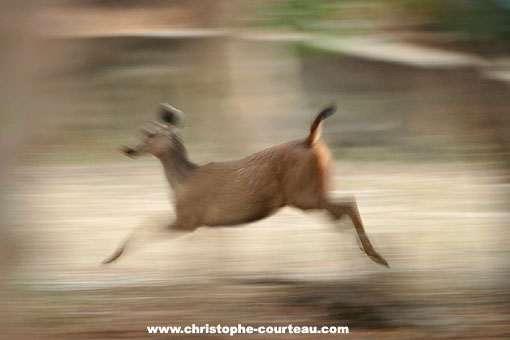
<point>294,174</point>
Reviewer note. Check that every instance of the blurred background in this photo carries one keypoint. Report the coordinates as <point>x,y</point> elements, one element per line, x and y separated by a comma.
<point>421,138</point>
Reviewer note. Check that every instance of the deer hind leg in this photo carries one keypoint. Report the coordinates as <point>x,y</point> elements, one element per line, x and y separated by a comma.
<point>142,236</point>
<point>350,208</point>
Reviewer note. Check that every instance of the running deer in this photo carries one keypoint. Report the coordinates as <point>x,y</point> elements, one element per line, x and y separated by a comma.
<point>292,174</point>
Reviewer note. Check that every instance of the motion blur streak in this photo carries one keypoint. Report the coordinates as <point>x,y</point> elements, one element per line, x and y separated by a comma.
<point>421,138</point>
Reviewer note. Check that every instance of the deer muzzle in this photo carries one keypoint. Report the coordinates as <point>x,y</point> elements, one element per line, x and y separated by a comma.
<point>128,151</point>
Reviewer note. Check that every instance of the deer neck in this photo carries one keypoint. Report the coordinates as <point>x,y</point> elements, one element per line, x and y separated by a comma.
<point>177,166</point>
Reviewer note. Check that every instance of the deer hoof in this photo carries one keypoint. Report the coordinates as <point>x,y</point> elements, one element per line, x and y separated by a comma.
<point>112,258</point>
<point>379,260</point>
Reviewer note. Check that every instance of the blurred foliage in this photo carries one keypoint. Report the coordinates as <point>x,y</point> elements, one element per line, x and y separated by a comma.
<point>489,17</point>
<point>476,22</point>
<point>480,22</point>
<point>315,15</point>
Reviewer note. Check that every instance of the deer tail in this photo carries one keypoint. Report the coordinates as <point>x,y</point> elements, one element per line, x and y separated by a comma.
<point>315,128</point>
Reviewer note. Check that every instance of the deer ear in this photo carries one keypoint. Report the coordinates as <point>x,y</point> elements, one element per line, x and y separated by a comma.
<point>171,115</point>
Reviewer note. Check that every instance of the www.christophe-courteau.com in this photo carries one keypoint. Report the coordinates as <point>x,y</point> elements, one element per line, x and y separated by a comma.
<point>240,329</point>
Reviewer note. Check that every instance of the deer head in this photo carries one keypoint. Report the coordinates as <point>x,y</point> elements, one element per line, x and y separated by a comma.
<point>158,138</point>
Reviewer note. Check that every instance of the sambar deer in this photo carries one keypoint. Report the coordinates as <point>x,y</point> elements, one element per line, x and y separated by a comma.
<point>229,193</point>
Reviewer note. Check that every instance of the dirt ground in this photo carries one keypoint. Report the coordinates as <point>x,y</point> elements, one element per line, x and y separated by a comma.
<point>442,228</point>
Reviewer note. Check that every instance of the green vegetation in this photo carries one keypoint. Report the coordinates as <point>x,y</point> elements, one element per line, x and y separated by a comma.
<point>323,16</point>
<point>483,26</point>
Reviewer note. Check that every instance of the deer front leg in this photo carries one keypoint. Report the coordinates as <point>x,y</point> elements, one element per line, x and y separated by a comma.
<point>350,208</point>
<point>141,237</point>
